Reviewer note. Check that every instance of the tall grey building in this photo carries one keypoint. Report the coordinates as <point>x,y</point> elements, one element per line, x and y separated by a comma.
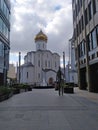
<point>4,39</point>
<point>85,25</point>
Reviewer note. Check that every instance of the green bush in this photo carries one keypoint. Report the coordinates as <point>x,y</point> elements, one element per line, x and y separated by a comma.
<point>20,86</point>
<point>68,85</point>
<point>5,90</point>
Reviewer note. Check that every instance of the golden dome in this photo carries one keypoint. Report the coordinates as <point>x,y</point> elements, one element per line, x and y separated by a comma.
<point>41,36</point>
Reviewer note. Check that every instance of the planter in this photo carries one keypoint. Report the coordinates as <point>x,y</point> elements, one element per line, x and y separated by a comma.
<point>5,96</point>
<point>16,91</point>
<point>29,89</point>
<point>22,90</point>
<point>56,86</point>
<point>69,90</point>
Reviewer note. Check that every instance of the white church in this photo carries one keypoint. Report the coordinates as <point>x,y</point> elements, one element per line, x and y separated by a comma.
<point>39,66</point>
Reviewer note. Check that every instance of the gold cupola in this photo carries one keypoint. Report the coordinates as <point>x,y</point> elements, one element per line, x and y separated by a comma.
<point>40,36</point>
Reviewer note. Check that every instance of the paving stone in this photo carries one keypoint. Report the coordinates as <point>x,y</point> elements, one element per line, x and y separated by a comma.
<point>44,109</point>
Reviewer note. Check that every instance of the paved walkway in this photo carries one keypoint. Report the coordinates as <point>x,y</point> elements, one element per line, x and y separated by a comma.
<point>89,95</point>
<point>45,110</point>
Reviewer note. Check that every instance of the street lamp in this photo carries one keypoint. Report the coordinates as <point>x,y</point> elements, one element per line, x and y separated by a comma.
<point>64,63</point>
<point>19,65</point>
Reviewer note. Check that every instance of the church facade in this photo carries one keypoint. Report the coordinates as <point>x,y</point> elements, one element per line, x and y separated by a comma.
<point>39,66</point>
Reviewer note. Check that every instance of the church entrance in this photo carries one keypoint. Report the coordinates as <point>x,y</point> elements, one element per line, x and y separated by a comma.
<point>50,81</point>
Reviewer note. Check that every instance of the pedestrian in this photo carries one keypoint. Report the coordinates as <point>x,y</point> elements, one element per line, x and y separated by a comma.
<point>59,78</point>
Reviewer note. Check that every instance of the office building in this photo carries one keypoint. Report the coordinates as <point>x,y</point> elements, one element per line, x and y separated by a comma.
<point>4,39</point>
<point>85,26</point>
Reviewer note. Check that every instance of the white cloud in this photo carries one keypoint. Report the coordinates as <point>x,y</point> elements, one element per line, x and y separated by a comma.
<point>54,17</point>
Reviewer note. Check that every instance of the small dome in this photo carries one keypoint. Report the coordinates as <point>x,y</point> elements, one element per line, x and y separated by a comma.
<point>41,36</point>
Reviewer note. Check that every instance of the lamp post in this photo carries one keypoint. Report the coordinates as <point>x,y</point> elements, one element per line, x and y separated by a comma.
<point>69,60</point>
<point>19,65</point>
<point>64,64</point>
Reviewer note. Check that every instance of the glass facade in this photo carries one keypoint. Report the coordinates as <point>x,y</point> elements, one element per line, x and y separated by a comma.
<point>4,8</point>
<point>82,49</point>
<point>89,13</point>
<point>4,29</point>
<point>1,49</point>
<point>92,39</point>
<point>4,39</point>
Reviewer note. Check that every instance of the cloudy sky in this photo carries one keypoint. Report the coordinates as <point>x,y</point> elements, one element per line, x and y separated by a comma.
<point>54,17</point>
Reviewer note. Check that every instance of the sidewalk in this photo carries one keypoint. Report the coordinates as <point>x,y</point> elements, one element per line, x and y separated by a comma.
<point>89,95</point>
<point>44,109</point>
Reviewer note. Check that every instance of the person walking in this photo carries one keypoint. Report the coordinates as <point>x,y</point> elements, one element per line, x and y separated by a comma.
<point>59,78</point>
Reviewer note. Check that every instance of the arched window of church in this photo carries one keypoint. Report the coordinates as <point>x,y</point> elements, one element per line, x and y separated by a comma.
<point>47,55</point>
<point>43,45</point>
<point>38,55</point>
<point>38,75</point>
<point>27,75</point>
<point>48,63</point>
<point>39,63</point>
<point>45,63</point>
<point>55,64</point>
<point>38,46</point>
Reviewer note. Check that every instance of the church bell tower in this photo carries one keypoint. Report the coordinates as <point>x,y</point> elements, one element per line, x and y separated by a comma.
<point>41,41</point>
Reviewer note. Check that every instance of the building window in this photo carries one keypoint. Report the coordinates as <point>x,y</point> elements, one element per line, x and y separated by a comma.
<point>82,49</point>
<point>0,25</point>
<point>86,17</point>
<point>78,5</point>
<point>1,49</point>
<point>93,56</point>
<point>73,1</point>
<point>76,53</point>
<point>38,46</point>
<point>97,34</point>
<point>38,75</point>
<point>5,9</point>
<point>94,6</point>
<point>73,15</point>
<point>48,63</point>
<point>1,55</point>
<point>77,31</point>
<point>82,22</point>
<point>94,39</point>
<point>55,64</point>
<point>39,63</point>
<point>4,28</point>
<point>90,11</point>
<point>43,45</point>
<point>76,10</point>
<point>45,63</point>
<point>27,75</point>
<point>47,55</point>
<point>1,4</point>
<point>79,27</point>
